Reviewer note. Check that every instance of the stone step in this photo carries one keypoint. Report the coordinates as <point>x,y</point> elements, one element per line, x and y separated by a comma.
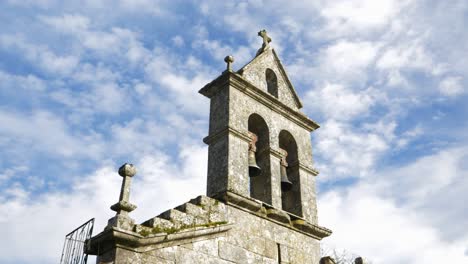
<point>216,210</point>
<point>158,222</point>
<point>178,218</point>
<point>192,209</point>
<point>204,201</point>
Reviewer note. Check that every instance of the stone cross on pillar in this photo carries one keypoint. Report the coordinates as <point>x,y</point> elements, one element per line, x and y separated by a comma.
<point>266,41</point>
<point>123,206</point>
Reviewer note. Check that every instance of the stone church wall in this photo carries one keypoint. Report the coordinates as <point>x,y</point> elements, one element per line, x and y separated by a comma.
<point>251,239</point>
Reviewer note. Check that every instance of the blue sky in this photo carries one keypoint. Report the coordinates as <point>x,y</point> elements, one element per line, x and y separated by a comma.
<point>86,86</point>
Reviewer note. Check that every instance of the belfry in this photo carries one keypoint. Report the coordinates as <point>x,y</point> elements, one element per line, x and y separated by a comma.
<point>260,205</point>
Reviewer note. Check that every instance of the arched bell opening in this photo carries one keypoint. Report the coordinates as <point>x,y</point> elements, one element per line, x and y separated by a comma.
<point>259,159</point>
<point>290,184</point>
<point>272,82</point>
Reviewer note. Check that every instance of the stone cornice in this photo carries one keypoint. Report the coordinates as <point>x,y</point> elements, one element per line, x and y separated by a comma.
<point>137,243</point>
<point>270,213</point>
<point>228,130</point>
<point>304,167</point>
<point>235,80</point>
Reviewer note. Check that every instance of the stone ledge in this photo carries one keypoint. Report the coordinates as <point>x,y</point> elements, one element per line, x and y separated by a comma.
<point>236,199</point>
<point>278,216</point>
<point>136,242</point>
<point>236,81</point>
<point>310,228</point>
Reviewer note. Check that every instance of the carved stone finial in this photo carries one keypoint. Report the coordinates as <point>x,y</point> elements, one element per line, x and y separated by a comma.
<point>229,60</point>
<point>266,41</point>
<point>127,170</point>
<point>123,206</point>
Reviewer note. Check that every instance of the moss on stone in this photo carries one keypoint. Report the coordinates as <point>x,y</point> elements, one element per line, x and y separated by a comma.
<point>172,230</point>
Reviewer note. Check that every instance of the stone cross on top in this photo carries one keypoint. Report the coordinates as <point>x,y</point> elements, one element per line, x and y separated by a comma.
<point>266,41</point>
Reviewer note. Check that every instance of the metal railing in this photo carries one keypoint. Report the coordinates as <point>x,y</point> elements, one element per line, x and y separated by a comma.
<point>73,248</point>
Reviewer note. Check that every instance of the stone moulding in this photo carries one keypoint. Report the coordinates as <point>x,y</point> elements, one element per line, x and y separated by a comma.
<point>235,80</point>
<point>229,130</point>
<point>278,215</point>
<point>238,200</point>
<point>270,213</point>
<point>136,242</point>
<point>123,205</point>
<point>310,228</point>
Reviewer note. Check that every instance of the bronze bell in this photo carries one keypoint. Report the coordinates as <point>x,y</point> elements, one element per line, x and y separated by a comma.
<point>286,185</point>
<point>254,169</point>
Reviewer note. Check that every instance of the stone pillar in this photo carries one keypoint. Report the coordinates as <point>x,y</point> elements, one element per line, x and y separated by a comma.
<point>123,206</point>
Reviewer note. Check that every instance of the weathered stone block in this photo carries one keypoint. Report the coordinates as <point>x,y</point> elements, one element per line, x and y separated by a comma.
<point>178,218</point>
<point>185,256</point>
<point>237,254</point>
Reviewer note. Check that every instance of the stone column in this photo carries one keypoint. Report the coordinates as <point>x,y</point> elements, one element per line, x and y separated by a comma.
<point>123,206</point>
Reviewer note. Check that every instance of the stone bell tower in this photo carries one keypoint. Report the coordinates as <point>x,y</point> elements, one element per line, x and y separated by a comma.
<point>259,100</point>
<point>261,201</point>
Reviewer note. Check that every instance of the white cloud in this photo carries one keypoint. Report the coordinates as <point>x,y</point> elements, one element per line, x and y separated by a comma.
<point>29,82</point>
<point>382,231</point>
<point>109,98</point>
<point>30,3</point>
<point>345,18</point>
<point>44,132</point>
<point>410,55</point>
<point>451,86</point>
<point>106,97</point>
<point>418,203</point>
<point>348,152</point>
<point>50,216</point>
<point>96,74</point>
<point>339,102</point>
<point>142,88</point>
<point>345,55</point>
<point>178,41</point>
<point>116,41</point>
<point>148,6</point>
<point>9,173</point>
<point>176,76</point>
<point>433,185</point>
<point>41,55</point>
<point>396,79</point>
<point>346,61</point>
<point>68,23</point>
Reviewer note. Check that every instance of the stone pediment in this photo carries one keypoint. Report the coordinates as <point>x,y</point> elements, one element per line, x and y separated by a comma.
<point>256,70</point>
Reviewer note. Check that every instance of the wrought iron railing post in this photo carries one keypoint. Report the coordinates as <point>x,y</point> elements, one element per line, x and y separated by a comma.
<point>73,248</point>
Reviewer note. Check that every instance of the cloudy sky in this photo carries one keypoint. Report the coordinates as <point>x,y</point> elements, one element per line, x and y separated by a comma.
<point>86,86</point>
